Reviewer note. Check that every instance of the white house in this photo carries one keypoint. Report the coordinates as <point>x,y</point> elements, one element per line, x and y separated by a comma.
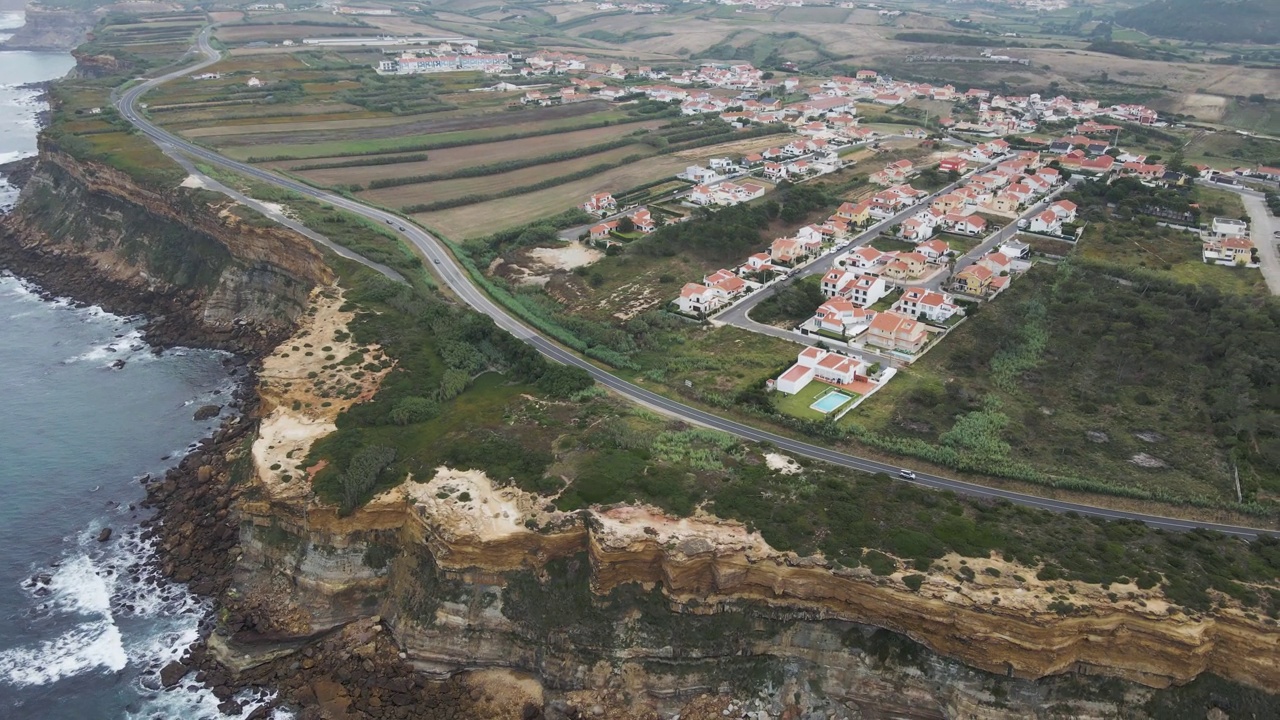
<point>867,290</point>
<point>969,225</point>
<point>934,250</point>
<point>864,258</point>
<point>836,281</point>
<point>1015,249</point>
<point>1046,222</point>
<point>600,203</point>
<point>814,364</point>
<point>1229,227</point>
<point>932,306</point>
<point>702,195</point>
<point>699,174</point>
<point>697,299</point>
<point>842,317</point>
<point>1065,210</point>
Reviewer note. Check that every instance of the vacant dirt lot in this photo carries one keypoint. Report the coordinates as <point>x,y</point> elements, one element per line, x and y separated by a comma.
<point>1228,80</point>
<point>449,189</point>
<point>484,218</point>
<point>1203,107</point>
<point>449,159</point>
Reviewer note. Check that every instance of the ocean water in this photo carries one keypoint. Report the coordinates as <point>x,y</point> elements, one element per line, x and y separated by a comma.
<point>19,105</point>
<point>86,626</point>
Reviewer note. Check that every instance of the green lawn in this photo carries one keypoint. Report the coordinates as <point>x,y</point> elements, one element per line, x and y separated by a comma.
<point>798,405</point>
<point>887,301</point>
<point>884,243</point>
<point>1219,203</point>
<point>960,244</point>
<point>1165,250</point>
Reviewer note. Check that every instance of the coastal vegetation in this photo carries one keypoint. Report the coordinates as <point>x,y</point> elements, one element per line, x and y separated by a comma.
<point>85,125</point>
<point>465,394</point>
<point>1231,21</point>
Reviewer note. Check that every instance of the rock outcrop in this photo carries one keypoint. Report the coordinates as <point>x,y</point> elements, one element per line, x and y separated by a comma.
<point>52,29</point>
<point>671,607</point>
<point>200,274</point>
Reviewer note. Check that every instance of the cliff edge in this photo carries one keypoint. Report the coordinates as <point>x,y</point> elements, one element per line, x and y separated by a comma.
<point>201,273</point>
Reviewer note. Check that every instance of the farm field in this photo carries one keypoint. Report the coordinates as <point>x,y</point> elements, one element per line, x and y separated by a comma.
<point>449,159</point>
<point>357,145</point>
<point>449,189</point>
<point>428,124</point>
<point>470,221</point>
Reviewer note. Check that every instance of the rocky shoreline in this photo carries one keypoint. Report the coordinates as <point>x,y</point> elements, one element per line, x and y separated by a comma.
<point>356,671</point>
<point>171,319</point>
<point>353,672</point>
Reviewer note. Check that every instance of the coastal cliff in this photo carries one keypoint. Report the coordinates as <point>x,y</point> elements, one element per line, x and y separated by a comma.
<point>201,274</point>
<point>631,608</point>
<point>51,29</point>
<point>699,568</point>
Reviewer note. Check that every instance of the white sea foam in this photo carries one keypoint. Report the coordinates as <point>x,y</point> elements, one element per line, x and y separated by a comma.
<point>87,646</point>
<point>77,588</point>
<point>129,346</point>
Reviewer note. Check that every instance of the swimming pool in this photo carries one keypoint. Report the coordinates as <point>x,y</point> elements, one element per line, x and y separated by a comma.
<point>830,402</point>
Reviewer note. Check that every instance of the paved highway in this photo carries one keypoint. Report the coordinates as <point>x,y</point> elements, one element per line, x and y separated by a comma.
<point>453,275</point>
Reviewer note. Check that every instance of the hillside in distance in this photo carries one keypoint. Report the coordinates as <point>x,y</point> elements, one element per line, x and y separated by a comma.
<point>1256,21</point>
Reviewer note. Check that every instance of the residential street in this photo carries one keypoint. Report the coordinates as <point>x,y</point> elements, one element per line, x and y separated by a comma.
<point>1262,226</point>
<point>739,315</point>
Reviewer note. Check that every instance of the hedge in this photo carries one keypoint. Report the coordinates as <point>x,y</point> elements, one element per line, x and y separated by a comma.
<point>361,162</point>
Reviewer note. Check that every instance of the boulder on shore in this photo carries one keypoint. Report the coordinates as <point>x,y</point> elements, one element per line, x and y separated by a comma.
<point>170,674</point>
<point>105,535</point>
<point>207,411</point>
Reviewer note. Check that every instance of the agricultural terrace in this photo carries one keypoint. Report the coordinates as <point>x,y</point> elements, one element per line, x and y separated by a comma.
<point>85,124</point>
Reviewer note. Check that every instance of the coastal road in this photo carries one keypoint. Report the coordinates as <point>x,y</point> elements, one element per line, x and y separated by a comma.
<point>452,274</point>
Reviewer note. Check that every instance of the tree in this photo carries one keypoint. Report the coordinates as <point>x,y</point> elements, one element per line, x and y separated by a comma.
<point>626,224</point>
<point>564,381</point>
<point>362,475</point>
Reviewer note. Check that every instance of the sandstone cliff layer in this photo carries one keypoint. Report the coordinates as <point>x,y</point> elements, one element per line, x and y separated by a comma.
<point>676,606</point>
<point>202,275</point>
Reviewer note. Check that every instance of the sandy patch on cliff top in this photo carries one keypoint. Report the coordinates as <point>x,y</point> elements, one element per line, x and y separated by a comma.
<point>621,526</point>
<point>782,464</point>
<point>568,257</point>
<point>304,385</point>
<point>466,503</point>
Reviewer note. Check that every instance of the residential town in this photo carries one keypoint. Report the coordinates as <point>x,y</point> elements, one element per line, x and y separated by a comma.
<point>883,308</point>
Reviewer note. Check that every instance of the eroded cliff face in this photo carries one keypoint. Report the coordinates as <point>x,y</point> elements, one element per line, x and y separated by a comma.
<point>200,273</point>
<point>657,609</point>
<point>52,29</point>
